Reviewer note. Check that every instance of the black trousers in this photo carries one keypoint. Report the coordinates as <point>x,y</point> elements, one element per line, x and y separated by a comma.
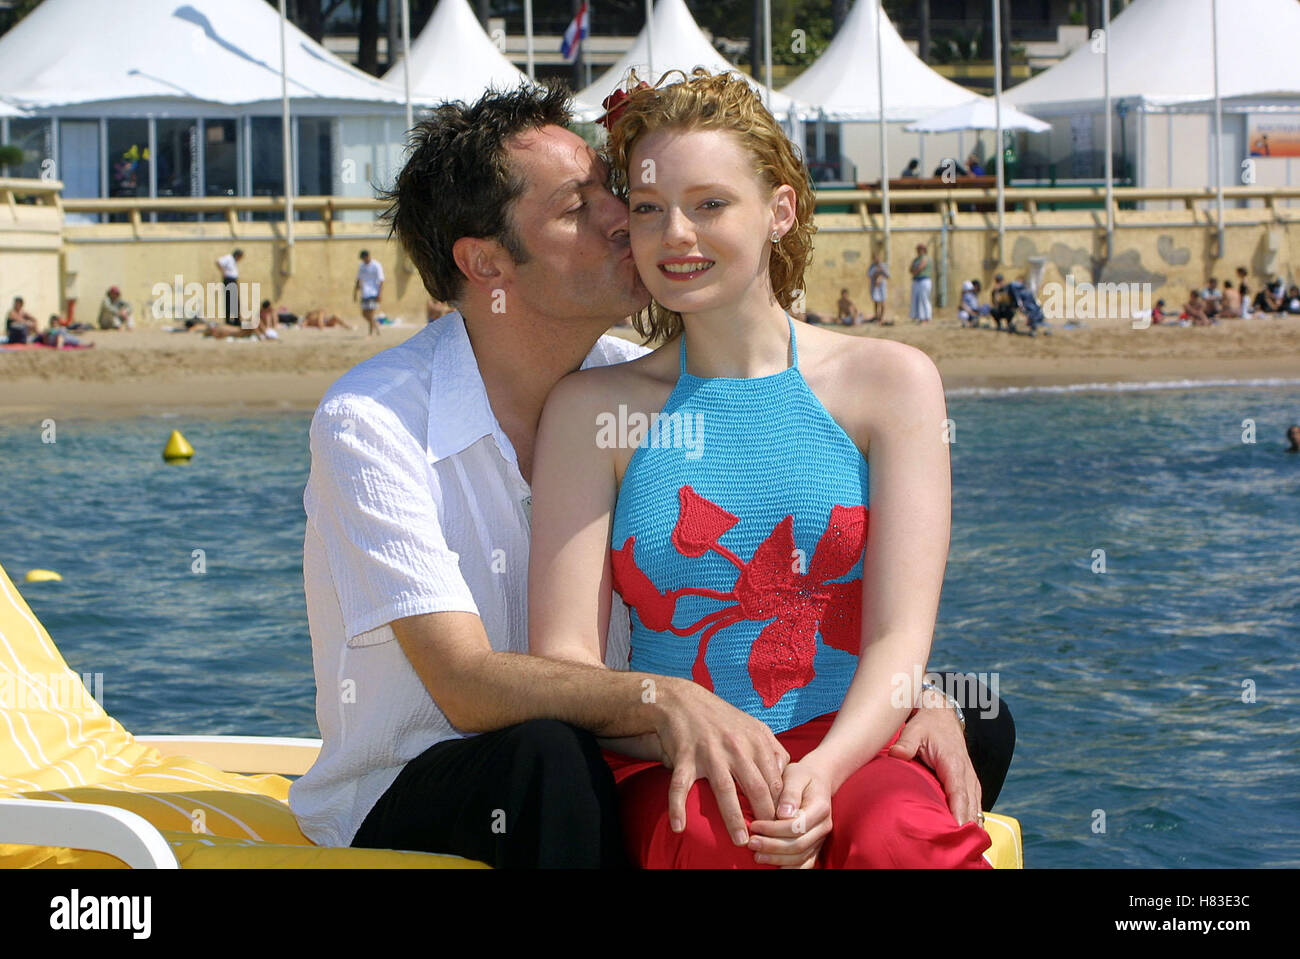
<point>535,795</point>
<point>232,302</point>
<point>990,731</point>
<point>540,795</point>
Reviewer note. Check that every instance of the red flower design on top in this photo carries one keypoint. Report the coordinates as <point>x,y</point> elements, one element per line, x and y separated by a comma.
<point>771,586</point>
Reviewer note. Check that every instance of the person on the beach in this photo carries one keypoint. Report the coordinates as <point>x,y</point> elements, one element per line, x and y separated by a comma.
<point>268,322</point>
<point>742,575</point>
<point>317,320</point>
<point>58,336</point>
<point>228,266</point>
<point>878,276</point>
<point>1212,298</point>
<point>1002,303</point>
<point>846,311</point>
<point>115,312</point>
<point>20,326</point>
<point>1194,310</point>
<point>439,734</point>
<point>1231,303</point>
<point>970,309</point>
<point>920,270</point>
<point>370,286</point>
<point>1243,291</point>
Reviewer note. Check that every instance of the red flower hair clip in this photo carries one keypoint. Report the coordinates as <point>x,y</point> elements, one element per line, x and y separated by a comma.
<point>615,104</point>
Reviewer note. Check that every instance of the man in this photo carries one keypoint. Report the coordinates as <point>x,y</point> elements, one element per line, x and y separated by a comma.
<point>846,311</point>
<point>229,267</point>
<point>20,326</point>
<point>370,284</point>
<point>1003,304</point>
<point>1293,438</point>
<point>440,732</point>
<point>115,312</point>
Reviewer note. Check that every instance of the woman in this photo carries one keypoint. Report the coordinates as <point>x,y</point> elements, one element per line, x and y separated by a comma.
<point>920,270</point>
<point>878,275</point>
<point>730,507</point>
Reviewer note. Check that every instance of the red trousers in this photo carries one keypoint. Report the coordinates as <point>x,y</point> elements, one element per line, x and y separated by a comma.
<point>891,813</point>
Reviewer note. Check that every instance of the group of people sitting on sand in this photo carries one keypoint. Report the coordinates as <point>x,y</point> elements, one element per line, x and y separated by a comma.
<point>1205,307</point>
<point>21,328</point>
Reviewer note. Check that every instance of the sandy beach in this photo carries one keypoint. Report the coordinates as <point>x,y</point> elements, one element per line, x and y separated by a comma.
<point>154,372</point>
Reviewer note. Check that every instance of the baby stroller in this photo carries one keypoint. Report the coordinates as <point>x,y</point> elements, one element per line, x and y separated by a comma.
<point>1028,304</point>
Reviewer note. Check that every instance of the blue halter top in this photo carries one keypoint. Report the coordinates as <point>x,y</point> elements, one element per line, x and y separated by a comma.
<point>737,544</point>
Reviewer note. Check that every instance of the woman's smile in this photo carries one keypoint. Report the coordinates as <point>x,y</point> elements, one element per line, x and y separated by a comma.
<point>683,268</point>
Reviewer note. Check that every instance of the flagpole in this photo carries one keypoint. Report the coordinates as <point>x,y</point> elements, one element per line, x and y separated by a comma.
<point>406,61</point>
<point>997,113</point>
<point>1218,127</point>
<point>650,37</point>
<point>286,147</point>
<point>884,160</point>
<point>1110,134</point>
<point>767,53</point>
<point>528,37</point>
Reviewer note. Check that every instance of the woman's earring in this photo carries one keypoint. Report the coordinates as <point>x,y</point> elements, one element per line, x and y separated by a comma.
<point>776,237</point>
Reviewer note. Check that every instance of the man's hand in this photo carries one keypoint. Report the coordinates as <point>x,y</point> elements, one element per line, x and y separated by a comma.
<point>795,837</point>
<point>705,737</point>
<point>934,736</point>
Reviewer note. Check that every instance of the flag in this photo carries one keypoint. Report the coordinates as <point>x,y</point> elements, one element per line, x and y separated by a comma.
<point>574,34</point>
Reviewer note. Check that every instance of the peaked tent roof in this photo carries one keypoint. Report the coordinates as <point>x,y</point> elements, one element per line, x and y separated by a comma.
<point>678,45</point>
<point>453,59</point>
<point>1160,53</point>
<point>843,80</point>
<point>9,110</point>
<point>216,51</point>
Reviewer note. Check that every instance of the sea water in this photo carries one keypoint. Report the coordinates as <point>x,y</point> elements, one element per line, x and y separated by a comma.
<point>1125,564</point>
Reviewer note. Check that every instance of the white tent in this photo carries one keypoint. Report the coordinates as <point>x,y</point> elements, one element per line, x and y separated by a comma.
<point>154,54</point>
<point>842,83</point>
<point>678,44</point>
<point>1160,54</point>
<point>978,114</point>
<point>1162,90</point>
<point>7,110</point>
<point>453,59</point>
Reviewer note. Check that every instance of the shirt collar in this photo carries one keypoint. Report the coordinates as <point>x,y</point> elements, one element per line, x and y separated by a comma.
<point>460,413</point>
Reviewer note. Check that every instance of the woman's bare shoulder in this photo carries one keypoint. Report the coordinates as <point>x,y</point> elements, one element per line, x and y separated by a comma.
<point>631,383</point>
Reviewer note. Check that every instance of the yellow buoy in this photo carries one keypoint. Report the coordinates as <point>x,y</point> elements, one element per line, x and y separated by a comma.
<point>178,448</point>
<point>42,576</point>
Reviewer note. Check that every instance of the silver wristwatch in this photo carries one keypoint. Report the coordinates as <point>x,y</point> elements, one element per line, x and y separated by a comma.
<point>961,717</point>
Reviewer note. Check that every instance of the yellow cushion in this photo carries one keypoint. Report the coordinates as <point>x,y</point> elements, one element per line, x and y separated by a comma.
<point>220,852</point>
<point>1007,849</point>
<point>58,743</point>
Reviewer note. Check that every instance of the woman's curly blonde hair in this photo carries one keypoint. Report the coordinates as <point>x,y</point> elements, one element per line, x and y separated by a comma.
<point>721,101</point>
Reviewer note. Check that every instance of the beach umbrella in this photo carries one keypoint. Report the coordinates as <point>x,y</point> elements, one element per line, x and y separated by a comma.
<point>977,115</point>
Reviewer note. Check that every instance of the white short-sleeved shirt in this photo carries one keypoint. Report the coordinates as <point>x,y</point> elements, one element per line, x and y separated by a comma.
<point>229,266</point>
<point>415,504</point>
<point>370,275</point>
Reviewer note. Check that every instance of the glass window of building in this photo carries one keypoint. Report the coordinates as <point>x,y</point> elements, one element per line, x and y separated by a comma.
<point>128,157</point>
<point>35,136</point>
<point>315,160</point>
<point>178,157</point>
<point>220,158</point>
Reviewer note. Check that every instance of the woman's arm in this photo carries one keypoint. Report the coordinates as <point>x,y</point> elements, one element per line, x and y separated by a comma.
<point>902,574</point>
<point>574,489</point>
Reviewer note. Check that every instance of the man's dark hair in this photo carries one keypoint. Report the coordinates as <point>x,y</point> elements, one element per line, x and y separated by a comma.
<point>459,181</point>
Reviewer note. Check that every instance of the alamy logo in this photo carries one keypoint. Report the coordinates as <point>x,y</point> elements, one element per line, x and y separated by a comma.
<point>1095,301</point>
<point>75,911</point>
<point>624,430</point>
